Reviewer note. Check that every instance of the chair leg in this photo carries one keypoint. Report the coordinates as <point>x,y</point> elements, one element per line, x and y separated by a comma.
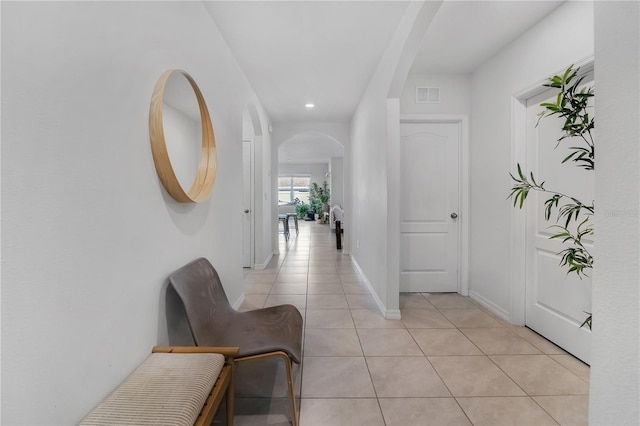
<point>290,385</point>
<point>292,393</point>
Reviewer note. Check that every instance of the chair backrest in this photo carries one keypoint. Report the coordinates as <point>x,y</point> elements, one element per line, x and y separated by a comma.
<point>206,305</point>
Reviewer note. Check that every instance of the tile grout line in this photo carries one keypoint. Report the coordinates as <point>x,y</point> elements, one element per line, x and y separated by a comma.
<point>440,377</point>
<point>338,270</point>
<point>484,354</point>
<point>366,362</point>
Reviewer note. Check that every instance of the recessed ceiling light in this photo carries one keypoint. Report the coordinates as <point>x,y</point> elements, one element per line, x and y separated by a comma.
<point>309,105</point>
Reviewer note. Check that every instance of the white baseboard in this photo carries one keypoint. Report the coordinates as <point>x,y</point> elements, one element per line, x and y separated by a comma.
<point>489,305</point>
<point>263,265</point>
<point>239,302</point>
<point>390,314</point>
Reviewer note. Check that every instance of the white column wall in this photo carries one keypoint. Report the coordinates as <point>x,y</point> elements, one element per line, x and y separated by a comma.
<point>89,234</point>
<point>530,59</point>
<point>615,366</point>
<point>373,157</point>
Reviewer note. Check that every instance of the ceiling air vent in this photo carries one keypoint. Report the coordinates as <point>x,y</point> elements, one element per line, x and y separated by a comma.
<point>428,95</point>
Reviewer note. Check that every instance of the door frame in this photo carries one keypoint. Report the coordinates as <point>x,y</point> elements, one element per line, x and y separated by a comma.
<point>252,229</point>
<point>463,181</point>
<point>518,217</point>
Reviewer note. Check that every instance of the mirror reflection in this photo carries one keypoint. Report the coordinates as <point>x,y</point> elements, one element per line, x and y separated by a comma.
<point>182,128</point>
<point>182,140</point>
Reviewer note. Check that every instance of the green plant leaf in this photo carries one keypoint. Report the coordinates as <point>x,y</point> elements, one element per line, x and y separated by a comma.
<point>572,106</point>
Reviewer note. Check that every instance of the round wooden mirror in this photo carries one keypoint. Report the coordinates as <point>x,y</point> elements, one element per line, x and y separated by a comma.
<point>177,120</point>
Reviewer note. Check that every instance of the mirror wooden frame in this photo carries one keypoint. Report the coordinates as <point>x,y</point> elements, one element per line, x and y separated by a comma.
<point>207,165</point>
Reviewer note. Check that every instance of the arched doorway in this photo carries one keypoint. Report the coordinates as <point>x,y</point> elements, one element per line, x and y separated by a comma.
<point>317,156</point>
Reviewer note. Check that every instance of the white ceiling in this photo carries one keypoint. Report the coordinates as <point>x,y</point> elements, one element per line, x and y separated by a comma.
<point>325,52</point>
<point>464,34</point>
<point>294,52</point>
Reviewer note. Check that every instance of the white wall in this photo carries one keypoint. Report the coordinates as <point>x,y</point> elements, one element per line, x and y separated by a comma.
<point>248,132</point>
<point>369,190</point>
<point>89,234</point>
<point>374,161</point>
<point>455,94</point>
<point>615,367</point>
<point>337,181</point>
<point>535,56</point>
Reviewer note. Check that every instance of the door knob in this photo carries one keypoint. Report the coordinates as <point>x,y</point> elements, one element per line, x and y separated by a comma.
<point>454,215</point>
<point>246,210</point>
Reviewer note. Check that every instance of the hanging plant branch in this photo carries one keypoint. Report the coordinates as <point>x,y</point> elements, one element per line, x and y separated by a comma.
<point>523,186</point>
<point>576,257</point>
<point>571,104</point>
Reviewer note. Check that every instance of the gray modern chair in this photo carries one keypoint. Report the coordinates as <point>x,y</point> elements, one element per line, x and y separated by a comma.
<point>269,332</point>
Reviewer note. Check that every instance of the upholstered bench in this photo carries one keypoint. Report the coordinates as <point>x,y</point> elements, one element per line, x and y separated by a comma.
<point>173,386</point>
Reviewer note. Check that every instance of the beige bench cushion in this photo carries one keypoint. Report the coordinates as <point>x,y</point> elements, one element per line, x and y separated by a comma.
<point>166,389</point>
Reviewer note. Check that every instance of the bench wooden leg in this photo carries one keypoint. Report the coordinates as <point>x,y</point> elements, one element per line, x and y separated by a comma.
<point>231,396</point>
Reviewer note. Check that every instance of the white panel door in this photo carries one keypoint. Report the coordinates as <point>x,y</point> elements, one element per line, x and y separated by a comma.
<point>429,209</point>
<point>555,301</point>
<point>246,202</point>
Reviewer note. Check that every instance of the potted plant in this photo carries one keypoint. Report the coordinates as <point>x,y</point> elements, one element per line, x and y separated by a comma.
<point>302,209</point>
<point>319,197</point>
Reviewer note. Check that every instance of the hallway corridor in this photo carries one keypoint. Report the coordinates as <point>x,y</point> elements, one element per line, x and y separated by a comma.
<point>447,362</point>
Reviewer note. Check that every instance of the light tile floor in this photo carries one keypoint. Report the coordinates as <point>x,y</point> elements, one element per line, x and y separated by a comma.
<point>447,362</point>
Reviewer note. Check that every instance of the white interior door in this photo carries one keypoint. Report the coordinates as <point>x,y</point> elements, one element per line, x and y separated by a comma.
<point>247,214</point>
<point>430,194</point>
<point>555,301</point>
